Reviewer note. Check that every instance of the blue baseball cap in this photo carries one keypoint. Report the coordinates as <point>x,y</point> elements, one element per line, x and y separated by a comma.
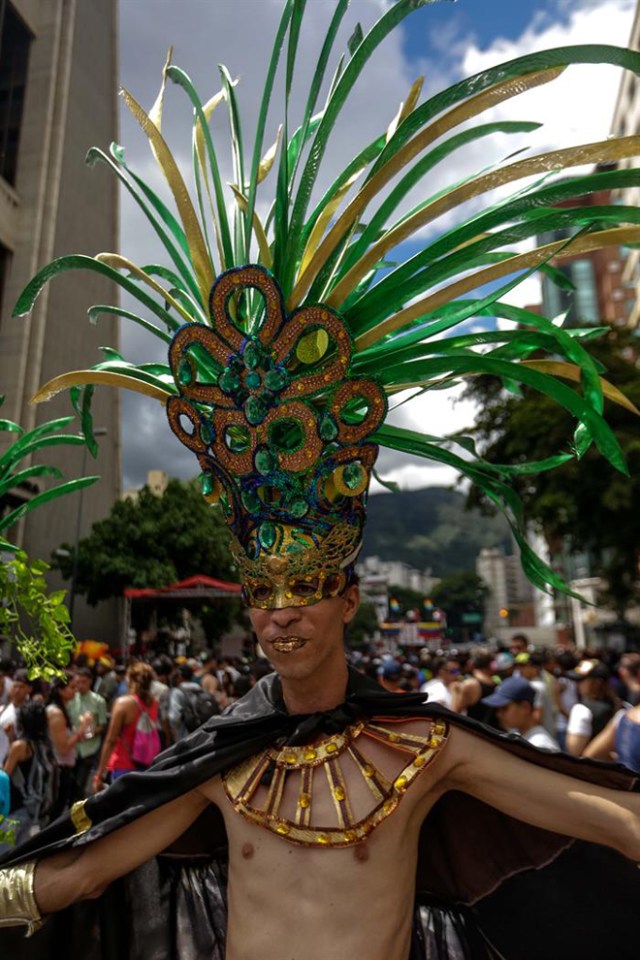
<point>510,691</point>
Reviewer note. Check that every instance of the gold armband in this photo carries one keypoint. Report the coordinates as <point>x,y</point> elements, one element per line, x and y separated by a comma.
<point>17,901</point>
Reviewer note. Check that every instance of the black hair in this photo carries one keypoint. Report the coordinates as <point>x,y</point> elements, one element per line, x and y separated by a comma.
<point>32,722</point>
<point>185,671</point>
<point>55,696</point>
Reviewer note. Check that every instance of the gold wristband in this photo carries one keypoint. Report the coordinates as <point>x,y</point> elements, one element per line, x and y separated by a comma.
<point>17,901</point>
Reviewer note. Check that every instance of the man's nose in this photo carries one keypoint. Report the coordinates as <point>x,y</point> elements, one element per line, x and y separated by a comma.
<point>284,616</point>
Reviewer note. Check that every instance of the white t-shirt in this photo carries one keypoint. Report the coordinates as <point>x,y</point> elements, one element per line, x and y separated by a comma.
<point>8,717</point>
<point>437,692</point>
<point>543,702</point>
<point>580,721</point>
<point>541,739</point>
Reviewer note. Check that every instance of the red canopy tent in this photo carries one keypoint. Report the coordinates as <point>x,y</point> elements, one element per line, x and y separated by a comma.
<point>198,587</point>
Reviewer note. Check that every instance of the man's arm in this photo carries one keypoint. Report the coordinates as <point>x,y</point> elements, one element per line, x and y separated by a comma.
<point>541,797</point>
<point>83,873</point>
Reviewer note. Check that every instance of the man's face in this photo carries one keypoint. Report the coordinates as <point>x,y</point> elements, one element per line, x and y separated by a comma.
<point>20,692</point>
<point>528,671</point>
<point>518,645</point>
<point>450,672</point>
<point>299,640</point>
<point>514,715</point>
<point>83,684</point>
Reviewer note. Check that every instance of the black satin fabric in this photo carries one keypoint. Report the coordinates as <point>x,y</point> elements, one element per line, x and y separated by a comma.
<point>472,859</point>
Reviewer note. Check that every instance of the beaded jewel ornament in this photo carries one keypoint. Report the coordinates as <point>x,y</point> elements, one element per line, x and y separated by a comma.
<point>293,319</point>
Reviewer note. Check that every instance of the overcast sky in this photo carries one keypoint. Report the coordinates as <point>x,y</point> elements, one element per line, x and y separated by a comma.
<point>444,42</point>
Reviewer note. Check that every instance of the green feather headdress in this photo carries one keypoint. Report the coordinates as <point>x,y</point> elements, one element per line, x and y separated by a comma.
<point>402,319</point>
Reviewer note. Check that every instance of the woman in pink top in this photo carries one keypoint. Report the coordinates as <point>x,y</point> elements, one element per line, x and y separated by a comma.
<point>116,756</point>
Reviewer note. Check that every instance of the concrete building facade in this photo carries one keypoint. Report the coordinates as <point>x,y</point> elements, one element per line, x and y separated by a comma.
<point>58,97</point>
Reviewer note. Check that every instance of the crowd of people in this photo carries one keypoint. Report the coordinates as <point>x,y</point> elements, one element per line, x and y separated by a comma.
<point>62,741</point>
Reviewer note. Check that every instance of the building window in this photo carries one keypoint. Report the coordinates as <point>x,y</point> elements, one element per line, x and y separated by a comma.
<point>14,56</point>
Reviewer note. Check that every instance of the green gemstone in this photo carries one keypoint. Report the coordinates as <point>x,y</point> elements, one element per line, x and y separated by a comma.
<point>328,428</point>
<point>353,475</point>
<point>254,410</point>
<point>267,534</point>
<point>253,380</point>
<point>286,434</point>
<point>265,461</point>
<point>185,373</point>
<point>228,382</point>
<point>237,438</point>
<point>250,501</point>
<point>207,483</point>
<point>252,355</point>
<point>276,379</point>
<point>297,507</point>
<point>207,432</point>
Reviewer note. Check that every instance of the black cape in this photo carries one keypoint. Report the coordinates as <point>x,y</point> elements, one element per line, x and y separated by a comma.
<point>487,884</point>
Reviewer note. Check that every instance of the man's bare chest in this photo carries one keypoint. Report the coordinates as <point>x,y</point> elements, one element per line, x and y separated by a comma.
<point>336,791</point>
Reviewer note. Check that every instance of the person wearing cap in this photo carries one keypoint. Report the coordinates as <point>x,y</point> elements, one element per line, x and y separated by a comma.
<point>529,666</point>
<point>514,703</point>
<point>390,676</point>
<point>596,707</point>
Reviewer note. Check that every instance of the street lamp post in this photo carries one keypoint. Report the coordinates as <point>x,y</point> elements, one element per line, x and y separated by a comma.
<point>98,432</point>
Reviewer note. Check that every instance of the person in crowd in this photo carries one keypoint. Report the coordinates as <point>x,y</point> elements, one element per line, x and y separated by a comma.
<point>620,740</point>
<point>6,673</point>
<point>64,739</point>
<point>163,670</point>
<point>31,796</point>
<point>518,644</point>
<point>21,691</point>
<point>106,682</point>
<point>178,705</point>
<point>514,703</point>
<point>530,666</point>
<point>118,755</point>
<point>469,694</point>
<point>596,706</point>
<point>502,666</point>
<point>121,680</point>
<point>92,708</point>
<point>629,673</point>
<point>213,678</point>
<point>566,694</point>
<point>446,675</point>
<point>391,677</point>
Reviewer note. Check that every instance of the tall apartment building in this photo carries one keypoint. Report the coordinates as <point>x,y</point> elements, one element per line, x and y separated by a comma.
<point>58,97</point>
<point>626,122</point>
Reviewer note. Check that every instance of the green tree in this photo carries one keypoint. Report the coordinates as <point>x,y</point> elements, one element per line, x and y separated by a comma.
<point>151,542</point>
<point>584,504</point>
<point>407,598</point>
<point>458,594</point>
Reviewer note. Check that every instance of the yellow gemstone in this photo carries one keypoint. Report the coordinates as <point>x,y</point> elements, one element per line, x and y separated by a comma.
<point>310,755</point>
<point>283,829</point>
<point>290,758</point>
<point>304,801</point>
<point>434,742</point>
<point>331,747</point>
<point>401,783</point>
<point>323,839</point>
<point>339,793</point>
<point>368,770</point>
<point>393,737</point>
<point>389,806</point>
<point>351,836</point>
<point>419,762</point>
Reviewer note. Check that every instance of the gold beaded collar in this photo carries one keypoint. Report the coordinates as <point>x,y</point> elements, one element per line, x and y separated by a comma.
<point>281,789</point>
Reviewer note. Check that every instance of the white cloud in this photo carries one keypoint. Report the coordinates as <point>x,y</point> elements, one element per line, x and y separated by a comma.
<point>575,108</point>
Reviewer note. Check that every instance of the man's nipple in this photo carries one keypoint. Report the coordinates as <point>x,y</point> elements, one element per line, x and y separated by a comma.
<point>247,851</point>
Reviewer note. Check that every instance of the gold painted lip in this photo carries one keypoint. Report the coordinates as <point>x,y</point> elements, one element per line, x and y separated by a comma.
<point>287,644</point>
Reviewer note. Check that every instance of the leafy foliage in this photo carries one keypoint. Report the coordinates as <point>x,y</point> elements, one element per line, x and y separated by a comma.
<point>586,504</point>
<point>151,542</point>
<point>36,619</point>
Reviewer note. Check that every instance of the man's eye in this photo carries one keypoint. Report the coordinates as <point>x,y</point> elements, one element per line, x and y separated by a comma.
<point>333,584</point>
<point>305,588</point>
<point>261,592</point>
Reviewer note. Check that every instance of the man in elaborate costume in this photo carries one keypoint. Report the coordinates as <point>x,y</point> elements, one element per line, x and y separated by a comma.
<point>349,821</point>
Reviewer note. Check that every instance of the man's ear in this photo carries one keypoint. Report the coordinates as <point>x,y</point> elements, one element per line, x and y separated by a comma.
<point>351,597</point>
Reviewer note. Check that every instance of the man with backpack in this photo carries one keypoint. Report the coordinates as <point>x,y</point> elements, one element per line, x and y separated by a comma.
<point>189,704</point>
